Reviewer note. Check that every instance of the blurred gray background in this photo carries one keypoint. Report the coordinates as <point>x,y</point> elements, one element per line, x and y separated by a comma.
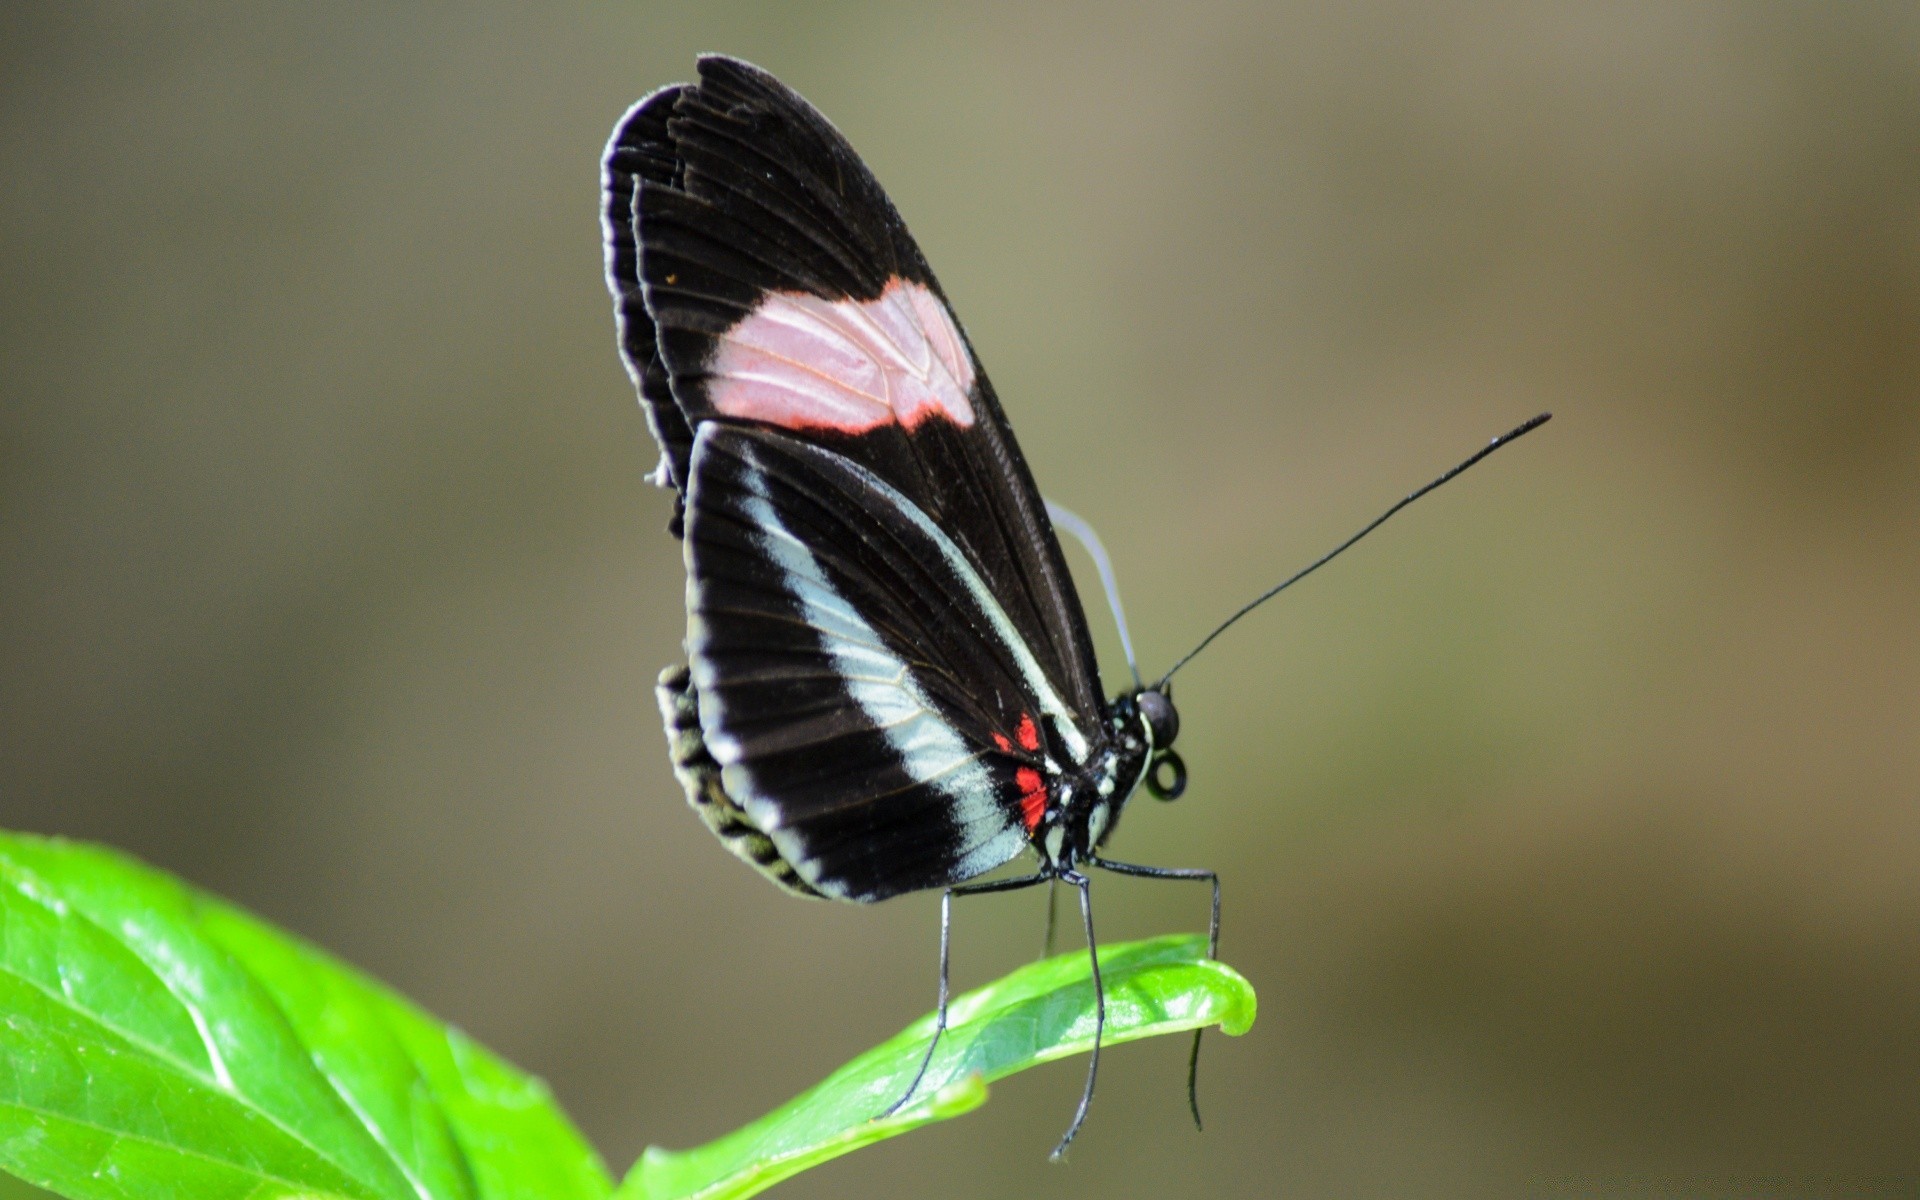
<point>1569,827</point>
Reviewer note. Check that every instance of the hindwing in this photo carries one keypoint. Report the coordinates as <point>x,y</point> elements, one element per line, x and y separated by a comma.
<point>868,701</point>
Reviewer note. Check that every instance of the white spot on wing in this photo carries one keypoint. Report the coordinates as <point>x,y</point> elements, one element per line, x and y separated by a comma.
<point>991,853</point>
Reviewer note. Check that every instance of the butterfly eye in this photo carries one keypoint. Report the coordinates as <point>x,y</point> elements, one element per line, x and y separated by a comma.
<point>1162,720</point>
<point>1167,777</point>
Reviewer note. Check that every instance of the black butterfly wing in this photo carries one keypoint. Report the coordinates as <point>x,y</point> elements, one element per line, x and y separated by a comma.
<point>778,284</point>
<point>765,284</point>
<point>640,149</point>
<point>865,696</point>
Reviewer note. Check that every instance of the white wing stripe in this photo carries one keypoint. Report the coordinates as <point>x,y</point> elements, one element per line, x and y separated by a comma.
<point>1030,672</point>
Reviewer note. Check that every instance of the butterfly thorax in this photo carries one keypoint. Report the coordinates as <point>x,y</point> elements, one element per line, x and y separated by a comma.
<point>1086,804</point>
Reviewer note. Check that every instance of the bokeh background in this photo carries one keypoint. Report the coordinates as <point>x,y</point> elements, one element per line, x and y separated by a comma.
<point>1570,827</point>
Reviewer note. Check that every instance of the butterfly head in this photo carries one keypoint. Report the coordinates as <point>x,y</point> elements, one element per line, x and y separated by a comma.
<point>1152,708</point>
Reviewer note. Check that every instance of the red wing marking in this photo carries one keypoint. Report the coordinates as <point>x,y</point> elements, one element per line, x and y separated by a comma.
<point>1033,797</point>
<point>1000,740</point>
<point>1026,733</point>
<point>800,362</point>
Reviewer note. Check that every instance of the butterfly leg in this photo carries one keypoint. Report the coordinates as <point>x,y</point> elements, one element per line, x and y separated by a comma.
<point>1053,894</point>
<point>1099,1011</point>
<point>946,942</point>
<point>1213,950</point>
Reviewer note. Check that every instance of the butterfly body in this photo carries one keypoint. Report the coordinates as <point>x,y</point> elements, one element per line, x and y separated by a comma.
<point>890,684</point>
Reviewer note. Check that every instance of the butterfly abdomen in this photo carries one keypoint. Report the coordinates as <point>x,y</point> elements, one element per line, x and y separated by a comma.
<point>699,774</point>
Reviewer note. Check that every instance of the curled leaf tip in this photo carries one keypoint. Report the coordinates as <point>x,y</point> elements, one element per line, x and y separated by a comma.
<point>1040,1012</point>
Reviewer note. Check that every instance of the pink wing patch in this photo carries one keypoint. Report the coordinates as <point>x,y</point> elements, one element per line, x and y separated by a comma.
<point>801,362</point>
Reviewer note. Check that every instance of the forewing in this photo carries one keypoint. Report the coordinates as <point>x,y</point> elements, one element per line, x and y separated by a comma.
<point>870,704</point>
<point>779,287</point>
<point>641,150</point>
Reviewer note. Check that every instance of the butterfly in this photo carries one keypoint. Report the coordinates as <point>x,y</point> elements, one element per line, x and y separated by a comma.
<point>890,682</point>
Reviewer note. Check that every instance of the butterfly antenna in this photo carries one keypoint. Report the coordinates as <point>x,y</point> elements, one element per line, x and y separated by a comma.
<point>1065,518</point>
<point>1329,556</point>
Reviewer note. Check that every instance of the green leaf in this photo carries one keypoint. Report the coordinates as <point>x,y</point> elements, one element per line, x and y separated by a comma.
<point>14,1189</point>
<point>159,1043</point>
<point>1039,1013</point>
